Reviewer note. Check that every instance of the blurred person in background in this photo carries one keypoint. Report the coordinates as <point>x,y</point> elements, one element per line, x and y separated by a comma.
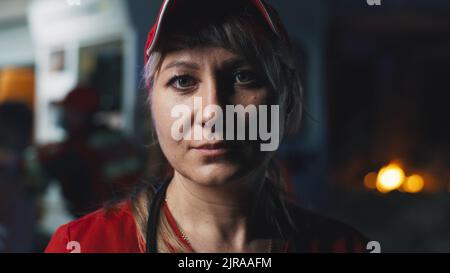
<point>94,163</point>
<point>18,205</point>
<point>20,190</point>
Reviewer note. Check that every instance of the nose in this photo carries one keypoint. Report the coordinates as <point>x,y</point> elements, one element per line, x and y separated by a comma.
<point>210,96</point>
<point>210,93</point>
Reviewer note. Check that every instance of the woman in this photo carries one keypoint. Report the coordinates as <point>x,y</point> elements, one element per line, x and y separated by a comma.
<point>219,190</point>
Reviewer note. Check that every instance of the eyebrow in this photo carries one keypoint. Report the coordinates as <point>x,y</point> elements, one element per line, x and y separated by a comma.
<point>190,65</point>
<point>231,63</point>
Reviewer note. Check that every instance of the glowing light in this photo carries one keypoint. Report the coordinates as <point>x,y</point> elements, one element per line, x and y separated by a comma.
<point>413,183</point>
<point>390,178</point>
<point>370,180</point>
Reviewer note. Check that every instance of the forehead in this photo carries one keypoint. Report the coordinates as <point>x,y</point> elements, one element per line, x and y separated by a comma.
<point>201,56</point>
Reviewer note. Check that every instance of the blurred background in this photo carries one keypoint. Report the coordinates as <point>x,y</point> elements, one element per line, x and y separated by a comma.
<point>374,149</point>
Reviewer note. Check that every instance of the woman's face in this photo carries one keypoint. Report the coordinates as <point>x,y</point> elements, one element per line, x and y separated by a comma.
<point>207,76</point>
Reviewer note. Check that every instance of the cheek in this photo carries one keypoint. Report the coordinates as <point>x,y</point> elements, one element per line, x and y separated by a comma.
<point>159,117</point>
<point>161,108</point>
<point>162,120</point>
<point>254,97</point>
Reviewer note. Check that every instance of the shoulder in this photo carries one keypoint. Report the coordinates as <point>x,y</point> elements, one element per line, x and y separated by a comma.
<point>105,230</point>
<point>318,233</point>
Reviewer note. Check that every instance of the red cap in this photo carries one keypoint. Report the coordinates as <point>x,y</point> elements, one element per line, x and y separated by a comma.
<point>85,99</point>
<point>269,14</point>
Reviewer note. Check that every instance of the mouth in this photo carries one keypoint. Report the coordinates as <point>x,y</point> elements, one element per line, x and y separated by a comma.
<point>212,148</point>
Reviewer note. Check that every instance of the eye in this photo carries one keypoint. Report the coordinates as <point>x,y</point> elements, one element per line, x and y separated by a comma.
<point>245,77</point>
<point>183,82</point>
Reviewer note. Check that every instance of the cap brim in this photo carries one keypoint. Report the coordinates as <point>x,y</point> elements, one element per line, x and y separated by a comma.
<point>168,7</point>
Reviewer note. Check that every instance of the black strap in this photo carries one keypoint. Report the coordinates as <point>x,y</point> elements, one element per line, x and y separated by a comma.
<point>153,216</point>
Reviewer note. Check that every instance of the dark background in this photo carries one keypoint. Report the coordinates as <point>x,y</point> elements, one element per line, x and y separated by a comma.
<point>376,82</point>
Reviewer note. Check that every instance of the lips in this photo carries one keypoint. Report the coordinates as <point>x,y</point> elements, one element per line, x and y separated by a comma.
<point>212,148</point>
<point>212,145</point>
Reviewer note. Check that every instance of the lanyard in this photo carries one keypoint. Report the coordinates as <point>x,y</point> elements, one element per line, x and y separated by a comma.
<point>153,216</point>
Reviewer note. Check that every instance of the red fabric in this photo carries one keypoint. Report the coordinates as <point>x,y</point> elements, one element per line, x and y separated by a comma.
<point>102,231</point>
<point>115,231</point>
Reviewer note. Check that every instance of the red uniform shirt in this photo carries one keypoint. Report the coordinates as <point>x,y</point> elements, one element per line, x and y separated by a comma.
<point>115,231</point>
<point>102,231</point>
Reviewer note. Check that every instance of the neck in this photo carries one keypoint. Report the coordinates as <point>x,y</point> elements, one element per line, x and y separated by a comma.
<point>219,215</point>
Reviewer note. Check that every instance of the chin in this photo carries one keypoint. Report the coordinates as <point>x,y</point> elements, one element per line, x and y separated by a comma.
<point>217,174</point>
